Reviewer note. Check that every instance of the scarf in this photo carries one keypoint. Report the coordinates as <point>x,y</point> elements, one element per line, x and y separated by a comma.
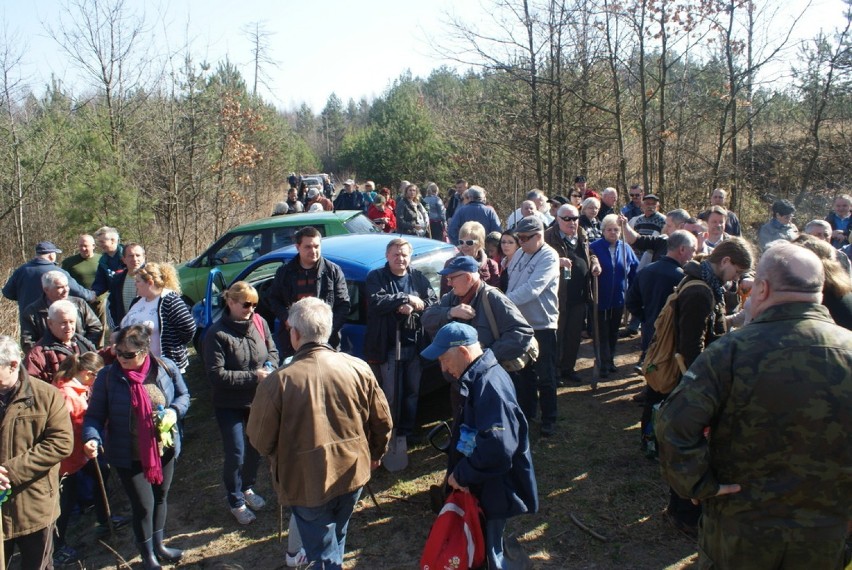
<point>710,278</point>
<point>149,451</point>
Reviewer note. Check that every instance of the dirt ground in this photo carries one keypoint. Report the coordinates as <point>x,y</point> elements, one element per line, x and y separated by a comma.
<point>591,470</point>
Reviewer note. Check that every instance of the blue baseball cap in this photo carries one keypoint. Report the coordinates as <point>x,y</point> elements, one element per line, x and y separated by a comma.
<point>449,336</point>
<point>460,263</point>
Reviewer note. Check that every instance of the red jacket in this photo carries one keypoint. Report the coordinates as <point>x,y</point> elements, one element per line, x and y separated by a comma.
<point>375,214</point>
<point>77,401</point>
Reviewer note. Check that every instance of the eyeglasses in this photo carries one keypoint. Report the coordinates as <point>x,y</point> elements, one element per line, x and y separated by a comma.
<point>451,277</point>
<point>569,218</point>
<point>248,304</point>
<point>128,355</point>
<point>525,238</point>
<point>467,242</point>
<point>635,195</point>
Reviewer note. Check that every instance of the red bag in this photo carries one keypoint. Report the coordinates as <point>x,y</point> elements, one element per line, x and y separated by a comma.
<point>456,541</point>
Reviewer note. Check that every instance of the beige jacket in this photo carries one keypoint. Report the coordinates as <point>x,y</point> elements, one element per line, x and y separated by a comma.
<point>321,419</point>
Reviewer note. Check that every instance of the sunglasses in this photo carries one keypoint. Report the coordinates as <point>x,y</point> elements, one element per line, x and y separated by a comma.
<point>635,195</point>
<point>569,218</point>
<point>467,242</point>
<point>576,195</point>
<point>526,238</point>
<point>248,304</point>
<point>128,355</point>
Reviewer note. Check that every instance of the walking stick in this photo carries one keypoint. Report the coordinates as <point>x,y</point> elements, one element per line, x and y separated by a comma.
<point>396,458</point>
<point>3,497</point>
<point>102,486</point>
<point>595,333</point>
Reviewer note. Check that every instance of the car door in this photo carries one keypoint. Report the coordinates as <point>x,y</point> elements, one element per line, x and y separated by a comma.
<point>208,310</point>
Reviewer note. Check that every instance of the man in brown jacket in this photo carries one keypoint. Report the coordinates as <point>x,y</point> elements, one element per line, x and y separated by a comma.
<point>35,435</point>
<point>325,424</point>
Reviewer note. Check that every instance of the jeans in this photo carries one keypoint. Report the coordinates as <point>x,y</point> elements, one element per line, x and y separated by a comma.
<point>241,460</point>
<point>148,501</point>
<point>404,417</point>
<point>323,529</point>
<point>494,543</point>
<point>537,382</point>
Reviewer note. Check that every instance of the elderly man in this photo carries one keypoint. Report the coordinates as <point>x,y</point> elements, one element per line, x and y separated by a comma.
<point>466,303</point>
<point>773,475</point>
<point>651,222</point>
<point>609,197</point>
<point>634,207</point>
<point>397,296</point>
<point>839,220</point>
<point>732,222</point>
<point>34,318</point>
<point>24,285</point>
<point>577,266</point>
<point>325,424</point>
<point>59,341</point>
<point>308,275</point>
<point>781,226</point>
<point>822,230</point>
<point>35,428</point>
<point>474,211</point>
<point>112,258</point>
<point>349,198</point>
<point>655,246</point>
<point>539,205</point>
<point>534,288</point>
<point>493,459</point>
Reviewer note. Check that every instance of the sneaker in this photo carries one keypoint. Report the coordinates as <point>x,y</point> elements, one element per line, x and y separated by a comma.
<point>296,560</point>
<point>243,515</point>
<point>628,333</point>
<point>253,500</point>
<point>65,555</point>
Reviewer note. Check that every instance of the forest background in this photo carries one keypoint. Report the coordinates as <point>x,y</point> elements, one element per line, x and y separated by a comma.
<point>672,94</point>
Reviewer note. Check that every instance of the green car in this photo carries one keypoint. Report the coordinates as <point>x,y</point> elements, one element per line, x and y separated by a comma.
<point>241,245</point>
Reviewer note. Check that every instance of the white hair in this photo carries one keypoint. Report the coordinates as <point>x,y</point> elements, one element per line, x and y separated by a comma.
<point>51,278</point>
<point>64,307</point>
<point>312,318</point>
<point>9,351</point>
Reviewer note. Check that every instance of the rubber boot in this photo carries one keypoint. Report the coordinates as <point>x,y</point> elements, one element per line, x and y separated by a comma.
<point>149,561</point>
<point>164,553</point>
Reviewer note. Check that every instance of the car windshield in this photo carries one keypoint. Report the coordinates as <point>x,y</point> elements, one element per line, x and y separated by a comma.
<point>360,224</point>
<point>431,264</point>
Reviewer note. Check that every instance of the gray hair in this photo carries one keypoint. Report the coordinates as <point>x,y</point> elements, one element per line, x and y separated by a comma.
<point>107,231</point>
<point>312,318</point>
<point>818,224</point>
<point>721,191</point>
<point>589,201</point>
<point>49,279</point>
<point>535,193</point>
<point>64,306</point>
<point>9,351</point>
<point>609,220</point>
<point>565,208</point>
<point>680,238</point>
<point>476,194</point>
<point>609,191</point>
<point>679,216</point>
<point>432,189</point>
<point>789,267</point>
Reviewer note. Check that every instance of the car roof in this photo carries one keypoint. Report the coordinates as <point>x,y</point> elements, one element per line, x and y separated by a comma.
<point>358,254</point>
<point>300,219</point>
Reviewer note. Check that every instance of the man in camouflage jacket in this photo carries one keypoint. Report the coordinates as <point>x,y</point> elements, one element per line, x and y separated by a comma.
<point>775,472</point>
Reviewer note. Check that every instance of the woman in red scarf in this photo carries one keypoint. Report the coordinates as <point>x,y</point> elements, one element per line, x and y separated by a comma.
<point>138,401</point>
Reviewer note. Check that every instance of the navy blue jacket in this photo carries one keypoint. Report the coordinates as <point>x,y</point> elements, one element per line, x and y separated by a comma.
<point>109,407</point>
<point>107,266</point>
<point>474,212</point>
<point>651,287</point>
<point>24,286</point>
<point>499,469</point>
<point>349,201</point>
<point>383,301</point>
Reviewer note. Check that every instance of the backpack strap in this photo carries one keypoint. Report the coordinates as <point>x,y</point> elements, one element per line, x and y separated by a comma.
<point>259,326</point>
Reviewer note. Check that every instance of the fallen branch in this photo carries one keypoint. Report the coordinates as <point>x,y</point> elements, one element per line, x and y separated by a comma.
<point>577,522</point>
<point>122,563</point>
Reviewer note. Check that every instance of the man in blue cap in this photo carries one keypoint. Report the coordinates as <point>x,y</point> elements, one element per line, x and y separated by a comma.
<point>489,450</point>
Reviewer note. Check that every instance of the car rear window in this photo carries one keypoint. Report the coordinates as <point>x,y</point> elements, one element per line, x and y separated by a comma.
<point>360,224</point>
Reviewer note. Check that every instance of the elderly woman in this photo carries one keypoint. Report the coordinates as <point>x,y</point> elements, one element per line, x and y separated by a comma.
<point>589,218</point>
<point>618,267</point>
<point>239,352</point>
<point>508,246</point>
<point>382,215</point>
<point>160,308</point>
<point>137,403</point>
<point>411,216</point>
<point>472,242</point>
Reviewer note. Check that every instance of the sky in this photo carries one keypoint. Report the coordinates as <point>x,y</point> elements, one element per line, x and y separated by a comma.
<point>352,48</point>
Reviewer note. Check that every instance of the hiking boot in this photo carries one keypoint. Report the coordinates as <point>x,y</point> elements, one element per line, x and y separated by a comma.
<point>628,333</point>
<point>547,430</point>
<point>612,367</point>
<point>571,376</point>
<point>65,555</point>
<point>243,515</point>
<point>296,560</point>
<point>253,500</point>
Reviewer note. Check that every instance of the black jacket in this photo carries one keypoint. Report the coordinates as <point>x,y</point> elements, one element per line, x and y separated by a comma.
<point>384,299</point>
<point>331,288</point>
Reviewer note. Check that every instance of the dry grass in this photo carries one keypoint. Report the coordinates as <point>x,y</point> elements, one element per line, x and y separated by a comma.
<point>592,469</point>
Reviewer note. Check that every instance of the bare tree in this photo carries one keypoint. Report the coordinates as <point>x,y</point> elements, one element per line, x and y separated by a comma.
<point>259,37</point>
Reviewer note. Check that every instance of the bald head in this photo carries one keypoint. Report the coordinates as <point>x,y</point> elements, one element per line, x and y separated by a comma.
<point>790,268</point>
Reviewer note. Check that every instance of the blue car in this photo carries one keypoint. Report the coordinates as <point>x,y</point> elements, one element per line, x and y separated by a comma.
<point>356,254</point>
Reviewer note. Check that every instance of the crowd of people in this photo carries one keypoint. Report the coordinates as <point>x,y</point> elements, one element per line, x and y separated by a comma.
<point>752,439</point>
